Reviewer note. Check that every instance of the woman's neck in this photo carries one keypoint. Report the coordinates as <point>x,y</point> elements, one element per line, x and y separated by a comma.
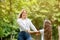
<point>23,18</point>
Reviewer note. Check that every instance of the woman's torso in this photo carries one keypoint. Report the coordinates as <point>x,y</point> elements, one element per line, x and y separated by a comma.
<point>25,23</point>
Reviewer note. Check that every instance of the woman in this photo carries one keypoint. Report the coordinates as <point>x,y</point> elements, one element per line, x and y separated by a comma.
<point>25,25</point>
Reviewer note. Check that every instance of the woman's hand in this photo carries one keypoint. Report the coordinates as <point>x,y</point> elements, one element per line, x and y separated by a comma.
<point>32,32</point>
<point>37,33</point>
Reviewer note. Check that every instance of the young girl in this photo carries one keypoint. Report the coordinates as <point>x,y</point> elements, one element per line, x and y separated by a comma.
<point>46,32</point>
<point>25,25</point>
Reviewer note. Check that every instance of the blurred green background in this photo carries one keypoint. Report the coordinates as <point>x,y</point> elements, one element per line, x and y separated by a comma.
<point>37,11</point>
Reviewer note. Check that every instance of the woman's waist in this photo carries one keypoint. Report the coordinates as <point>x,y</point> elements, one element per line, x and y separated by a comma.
<point>24,29</point>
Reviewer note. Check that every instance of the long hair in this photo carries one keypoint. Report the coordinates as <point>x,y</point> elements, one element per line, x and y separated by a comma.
<point>47,30</point>
<point>20,15</point>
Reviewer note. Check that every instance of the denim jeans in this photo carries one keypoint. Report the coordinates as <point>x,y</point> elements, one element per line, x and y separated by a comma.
<point>24,36</point>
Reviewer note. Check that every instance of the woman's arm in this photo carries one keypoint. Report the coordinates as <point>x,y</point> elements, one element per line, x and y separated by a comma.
<point>33,27</point>
<point>35,31</point>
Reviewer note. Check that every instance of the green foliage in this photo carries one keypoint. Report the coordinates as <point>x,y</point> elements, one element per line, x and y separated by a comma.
<point>37,10</point>
<point>1,32</point>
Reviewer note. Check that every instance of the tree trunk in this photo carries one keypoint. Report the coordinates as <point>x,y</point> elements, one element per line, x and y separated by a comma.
<point>11,37</point>
<point>1,38</point>
<point>59,31</point>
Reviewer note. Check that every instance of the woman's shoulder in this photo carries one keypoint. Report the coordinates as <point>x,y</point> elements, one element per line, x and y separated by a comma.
<point>19,19</point>
<point>28,19</point>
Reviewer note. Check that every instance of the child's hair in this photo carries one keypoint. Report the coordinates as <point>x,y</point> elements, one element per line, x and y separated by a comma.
<point>47,30</point>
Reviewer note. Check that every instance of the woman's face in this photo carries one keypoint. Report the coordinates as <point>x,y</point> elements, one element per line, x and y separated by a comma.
<point>24,14</point>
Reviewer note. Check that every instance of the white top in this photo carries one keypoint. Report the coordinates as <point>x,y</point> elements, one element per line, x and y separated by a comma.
<point>26,24</point>
<point>42,34</point>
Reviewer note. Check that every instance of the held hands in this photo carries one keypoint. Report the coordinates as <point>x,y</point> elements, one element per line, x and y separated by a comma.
<point>32,32</point>
<point>37,33</point>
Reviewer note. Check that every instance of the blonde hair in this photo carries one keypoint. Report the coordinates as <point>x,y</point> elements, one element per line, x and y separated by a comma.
<point>20,14</point>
